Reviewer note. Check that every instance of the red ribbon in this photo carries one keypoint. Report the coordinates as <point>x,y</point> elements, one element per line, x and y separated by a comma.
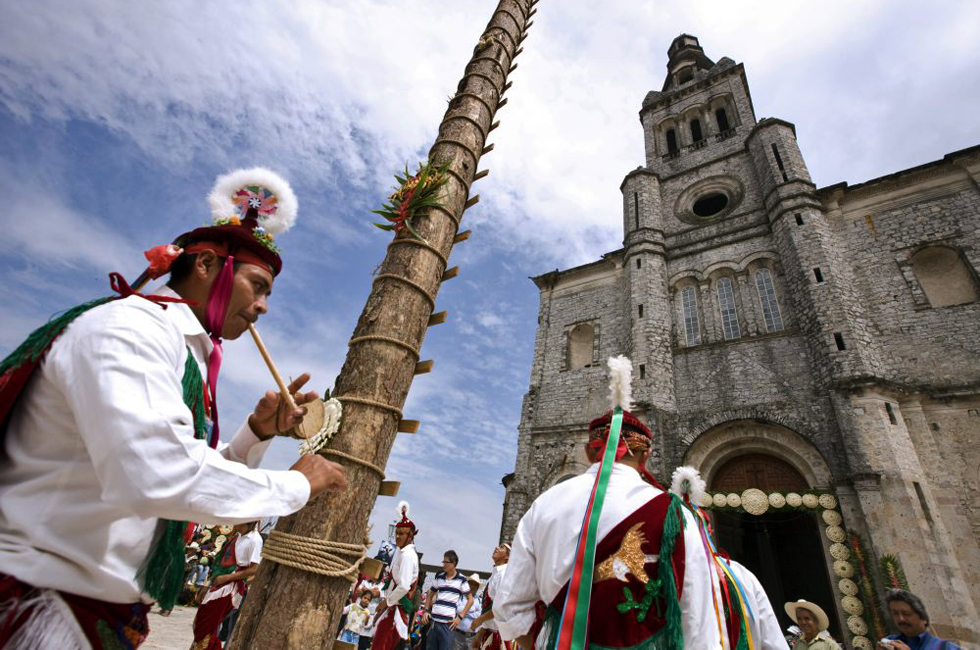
<point>120,286</point>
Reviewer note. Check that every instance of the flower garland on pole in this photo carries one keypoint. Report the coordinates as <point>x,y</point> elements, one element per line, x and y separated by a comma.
<point>414,193</point>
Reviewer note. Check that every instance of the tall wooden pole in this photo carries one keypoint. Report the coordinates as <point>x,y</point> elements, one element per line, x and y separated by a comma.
<point>293,608</point>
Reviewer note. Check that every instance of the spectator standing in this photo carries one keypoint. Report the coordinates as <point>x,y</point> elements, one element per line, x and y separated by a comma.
<point>366,586</point>
<point>464,632</point>
<point>441,607</point>
<point>813,622</point>
<point>358,616</point>
<point>912,620</point>
<point>485,625</point>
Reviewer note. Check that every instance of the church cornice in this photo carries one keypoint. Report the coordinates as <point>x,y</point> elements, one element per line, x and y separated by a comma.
<point>666,99</point>
<point>951,165</point>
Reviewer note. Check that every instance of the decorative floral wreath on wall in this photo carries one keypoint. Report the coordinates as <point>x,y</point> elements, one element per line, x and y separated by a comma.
<point>858,599</point>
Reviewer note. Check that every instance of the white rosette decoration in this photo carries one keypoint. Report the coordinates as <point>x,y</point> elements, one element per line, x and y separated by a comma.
<point>839,551</point>
<point>852,605</point>
<point>332,412</point>
<point>848,587</point>
<point>794,500</point>
<point>777,500</point>
<point>733,500</point>
<point>706,500</point>
<point>843,569</point>
<point>832,518</point>
<point>857,625</point>
<point>755,501</point>
<point>862,643</point>
<point>828,502</point>
<point>719,500</point>
<point>836,534</point>
<point>810,500</point>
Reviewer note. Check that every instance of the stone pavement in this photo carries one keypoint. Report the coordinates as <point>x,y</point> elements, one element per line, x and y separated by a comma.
<point>172,632</point>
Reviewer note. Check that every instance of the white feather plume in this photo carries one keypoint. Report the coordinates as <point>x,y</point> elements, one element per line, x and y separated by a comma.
<point>403,509</point>
<point>223,207</point>
<point>687,481</point>
<point>620,382</point>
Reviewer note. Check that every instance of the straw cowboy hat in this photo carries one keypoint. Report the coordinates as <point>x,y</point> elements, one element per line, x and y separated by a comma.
<point>475,578</point>
<point>822,621</point>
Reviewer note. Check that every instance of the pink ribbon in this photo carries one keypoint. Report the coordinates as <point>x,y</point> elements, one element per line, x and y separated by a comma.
<point>214,316</point>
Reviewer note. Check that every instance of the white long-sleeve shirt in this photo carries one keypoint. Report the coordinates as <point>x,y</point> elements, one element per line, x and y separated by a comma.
<point>404,573</point>
<point>764,625</point>
<point>493,590</point>
<point>101,445</point>
<point>543,554</point>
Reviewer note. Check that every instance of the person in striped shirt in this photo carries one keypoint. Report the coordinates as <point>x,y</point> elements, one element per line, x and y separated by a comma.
<point>442,606</point>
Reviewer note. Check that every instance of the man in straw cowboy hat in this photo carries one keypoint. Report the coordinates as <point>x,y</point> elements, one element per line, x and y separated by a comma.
<point>609,556</point>
<point>813,622</point>
<point>397,605</point>
<point>109,424</point>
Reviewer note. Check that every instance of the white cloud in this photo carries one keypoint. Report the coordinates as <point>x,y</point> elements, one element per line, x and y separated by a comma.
<point>355,89</point>
<point>42,228</point>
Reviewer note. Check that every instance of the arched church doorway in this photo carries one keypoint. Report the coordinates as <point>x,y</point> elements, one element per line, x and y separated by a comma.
<point>783,549</point>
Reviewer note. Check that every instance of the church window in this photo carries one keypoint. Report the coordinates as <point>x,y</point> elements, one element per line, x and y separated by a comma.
<point>767,296</point>
<point>671,141</point>
<point>779,161</point>
<point>710,205</point>
<point>689,305</point>
<point>722,118</point>
<point>643,371</point>
<point>729,315</point>
<point>922,501</point>
<point>799,219</point>
<point>638,262</point>
<point>696,135</point>
<point>581,341</point>
<point>839,340</point>
<point>640,311</point>
<point>636,208</point>
<point>818,274</point>
<point>891,413</point>
<point>944,277</point>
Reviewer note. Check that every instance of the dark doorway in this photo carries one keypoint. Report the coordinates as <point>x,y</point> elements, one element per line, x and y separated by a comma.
<point>783,549</point>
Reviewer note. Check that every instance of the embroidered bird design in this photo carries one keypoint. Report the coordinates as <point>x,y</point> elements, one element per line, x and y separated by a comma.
<point>630,558</point>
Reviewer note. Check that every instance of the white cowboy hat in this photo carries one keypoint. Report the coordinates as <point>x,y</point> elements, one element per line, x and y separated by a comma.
<point>822,621</point>
<point>475,578</point>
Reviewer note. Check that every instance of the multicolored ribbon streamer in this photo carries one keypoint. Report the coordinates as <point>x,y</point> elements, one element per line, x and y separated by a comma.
<point>574,625</point>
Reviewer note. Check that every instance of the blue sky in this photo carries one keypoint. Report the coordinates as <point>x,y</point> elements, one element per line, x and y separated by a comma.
<point>116,117</point>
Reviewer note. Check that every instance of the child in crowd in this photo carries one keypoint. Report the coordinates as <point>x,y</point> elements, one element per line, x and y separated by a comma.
<point>358,616</point>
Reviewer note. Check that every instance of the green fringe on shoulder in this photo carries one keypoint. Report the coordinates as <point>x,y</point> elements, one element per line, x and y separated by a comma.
<point>671,637</point>
<point>162,572</point>
<point>39,340</point>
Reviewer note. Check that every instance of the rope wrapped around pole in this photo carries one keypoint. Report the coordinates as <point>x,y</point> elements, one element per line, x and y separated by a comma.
<point>320,556</point>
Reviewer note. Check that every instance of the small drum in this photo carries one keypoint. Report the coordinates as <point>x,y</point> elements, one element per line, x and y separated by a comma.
<point>312,421</point>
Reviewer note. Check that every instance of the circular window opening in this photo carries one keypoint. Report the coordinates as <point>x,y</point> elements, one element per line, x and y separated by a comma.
<point>709,206</point>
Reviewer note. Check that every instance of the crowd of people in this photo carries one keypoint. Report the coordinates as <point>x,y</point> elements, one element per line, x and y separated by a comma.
<point>110,446</point>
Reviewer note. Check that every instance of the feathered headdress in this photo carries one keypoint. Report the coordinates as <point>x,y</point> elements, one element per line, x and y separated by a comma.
<point>688,485</point>
<point>249,208</point>
<point>620,382</point>
<point>621,395</point>
<point>404,521</point>
<point>238,192</point>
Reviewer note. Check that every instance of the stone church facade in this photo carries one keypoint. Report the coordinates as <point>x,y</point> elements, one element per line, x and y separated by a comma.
<point>784,337</point>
